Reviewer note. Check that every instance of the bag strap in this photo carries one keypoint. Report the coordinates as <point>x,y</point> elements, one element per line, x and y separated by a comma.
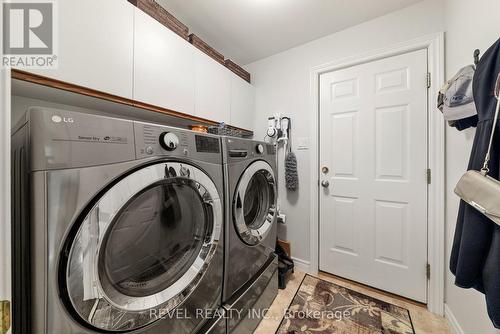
<point>485,170</point>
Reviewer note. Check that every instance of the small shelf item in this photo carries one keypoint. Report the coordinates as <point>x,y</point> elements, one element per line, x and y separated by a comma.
<point>224,130</point>
<point>199,128</point>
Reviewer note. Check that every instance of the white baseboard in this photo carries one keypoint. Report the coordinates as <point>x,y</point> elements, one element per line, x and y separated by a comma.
<point>454,325</point>
<point>302,265</point>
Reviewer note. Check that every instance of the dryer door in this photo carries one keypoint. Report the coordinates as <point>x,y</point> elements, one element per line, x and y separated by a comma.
<point>143,247</point>
<point>254,203</point>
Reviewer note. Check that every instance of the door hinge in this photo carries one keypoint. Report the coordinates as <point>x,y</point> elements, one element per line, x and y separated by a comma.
<point>5,316</point>
<point>429,80</point>
<point>428,271</point>
<point>429,176</point>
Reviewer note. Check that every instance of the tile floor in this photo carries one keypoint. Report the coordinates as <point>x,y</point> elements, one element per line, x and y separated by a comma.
<point>423,321</point>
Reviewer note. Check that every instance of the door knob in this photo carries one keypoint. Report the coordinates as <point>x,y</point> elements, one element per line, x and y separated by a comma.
<point>325,184</point>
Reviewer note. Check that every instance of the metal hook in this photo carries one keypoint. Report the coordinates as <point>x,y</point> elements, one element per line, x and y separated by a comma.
<point>477,52</point>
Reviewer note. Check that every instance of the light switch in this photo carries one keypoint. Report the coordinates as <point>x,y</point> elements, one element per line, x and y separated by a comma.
<point>302,143</point>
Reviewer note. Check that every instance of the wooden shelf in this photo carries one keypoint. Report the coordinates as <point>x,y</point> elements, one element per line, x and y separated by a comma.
<point>68,87</point>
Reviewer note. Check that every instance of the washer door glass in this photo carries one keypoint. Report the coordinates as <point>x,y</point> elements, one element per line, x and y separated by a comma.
<point>153,240</point>
<point>143,246</point>
<point>254,204</point>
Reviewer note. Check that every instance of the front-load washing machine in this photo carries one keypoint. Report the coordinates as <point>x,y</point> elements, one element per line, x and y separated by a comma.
<point>117,224</point>
<point>250,266</point>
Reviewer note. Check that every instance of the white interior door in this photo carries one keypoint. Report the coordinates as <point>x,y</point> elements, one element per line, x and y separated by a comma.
<point>373,138</point>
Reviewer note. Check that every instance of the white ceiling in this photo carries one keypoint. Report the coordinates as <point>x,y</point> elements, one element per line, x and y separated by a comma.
<point>248,30</point>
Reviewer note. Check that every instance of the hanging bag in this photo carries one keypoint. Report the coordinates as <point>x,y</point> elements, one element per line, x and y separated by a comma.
<point>478,189</point>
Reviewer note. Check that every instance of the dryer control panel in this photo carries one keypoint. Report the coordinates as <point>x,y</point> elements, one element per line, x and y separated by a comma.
<point>238,149</point>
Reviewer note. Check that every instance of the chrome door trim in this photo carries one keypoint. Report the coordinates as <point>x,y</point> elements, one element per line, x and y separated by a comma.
<point>86,247</point>
<point>251,236</point>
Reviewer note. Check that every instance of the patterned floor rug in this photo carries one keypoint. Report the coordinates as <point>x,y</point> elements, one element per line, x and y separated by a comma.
<point>321,307</point>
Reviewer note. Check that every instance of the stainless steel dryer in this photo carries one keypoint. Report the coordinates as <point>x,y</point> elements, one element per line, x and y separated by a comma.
<point>124,231</point>
<point>250,266</point>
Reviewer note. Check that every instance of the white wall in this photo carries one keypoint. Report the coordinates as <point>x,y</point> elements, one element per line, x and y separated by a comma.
<point>470,25</point>
<point>282,85</point>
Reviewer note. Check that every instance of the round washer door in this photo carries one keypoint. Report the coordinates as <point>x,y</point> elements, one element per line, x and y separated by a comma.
<point>254,203</point>
<point>143,247</point>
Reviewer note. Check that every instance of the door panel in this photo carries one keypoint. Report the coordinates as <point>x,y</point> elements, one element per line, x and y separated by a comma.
<point>344,209</point>
<point>373,138</point>
<point>343,148</point>
<point>391,143</point>
<point>391,218</point>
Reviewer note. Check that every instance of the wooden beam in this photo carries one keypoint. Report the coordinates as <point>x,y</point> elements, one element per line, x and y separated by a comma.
<point>57,84</point>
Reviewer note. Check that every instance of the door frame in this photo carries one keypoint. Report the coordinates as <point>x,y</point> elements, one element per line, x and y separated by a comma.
<point>434,44</point>
<point>5,235</point>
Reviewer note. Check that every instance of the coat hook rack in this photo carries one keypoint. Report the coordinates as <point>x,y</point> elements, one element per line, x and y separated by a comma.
<point>477,52</point>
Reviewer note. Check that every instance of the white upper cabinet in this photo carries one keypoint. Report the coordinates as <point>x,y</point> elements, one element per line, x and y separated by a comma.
<point>242,103</point>
<point>95,45</point>
<point>212,89</point>
<point>113,47</point>
<point>163,66</point>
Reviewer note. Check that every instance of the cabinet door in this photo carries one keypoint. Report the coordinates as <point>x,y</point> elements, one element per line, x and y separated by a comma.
<point>95,45</point>
<point>163,66</point>
<point>242,103</point>
<point>213,89</point>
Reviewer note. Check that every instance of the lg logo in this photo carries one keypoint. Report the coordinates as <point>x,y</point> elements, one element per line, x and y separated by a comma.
<point>59,119</point>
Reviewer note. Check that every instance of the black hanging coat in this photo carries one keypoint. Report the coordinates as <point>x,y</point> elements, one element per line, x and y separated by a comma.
<point>475,257</point>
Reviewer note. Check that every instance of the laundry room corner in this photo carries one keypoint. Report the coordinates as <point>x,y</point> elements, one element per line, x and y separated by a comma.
<point>283,85</point>
<point>250,166</point>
